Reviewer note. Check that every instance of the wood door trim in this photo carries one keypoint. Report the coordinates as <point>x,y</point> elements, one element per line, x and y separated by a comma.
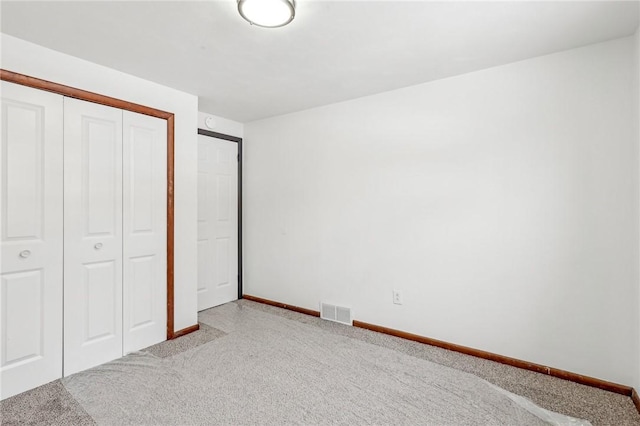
<point>84,95</point>
<point>72,92</point>
<point>185,331</point>
<point>555,372</point>
<point>171,334</point>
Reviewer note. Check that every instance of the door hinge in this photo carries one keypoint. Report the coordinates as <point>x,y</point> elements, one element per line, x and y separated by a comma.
<point>238,157</point>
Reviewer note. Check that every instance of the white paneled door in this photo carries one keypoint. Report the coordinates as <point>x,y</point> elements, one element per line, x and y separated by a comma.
<point>217,222</point>
<point>145,231</point>
<point>31,275</point>
<point>92,235</point>
<point>83,278</point>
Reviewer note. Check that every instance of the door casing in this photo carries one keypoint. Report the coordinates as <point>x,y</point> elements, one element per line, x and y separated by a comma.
<point>73,92</point>
<point>239,142</point>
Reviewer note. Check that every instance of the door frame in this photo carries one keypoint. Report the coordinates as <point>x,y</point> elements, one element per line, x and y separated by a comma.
<point>72,92</point>
<point>237,140</point>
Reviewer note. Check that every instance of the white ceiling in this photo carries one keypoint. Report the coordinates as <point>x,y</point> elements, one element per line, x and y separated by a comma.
<point>333,50</point>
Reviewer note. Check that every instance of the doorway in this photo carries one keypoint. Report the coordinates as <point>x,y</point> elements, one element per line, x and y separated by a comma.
<point>219,219</point>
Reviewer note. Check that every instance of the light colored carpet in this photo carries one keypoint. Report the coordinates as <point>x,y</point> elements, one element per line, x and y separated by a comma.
<point>169,348</point>
<point>272,370</point>
<point>50,404</point>
<point>600,407</point>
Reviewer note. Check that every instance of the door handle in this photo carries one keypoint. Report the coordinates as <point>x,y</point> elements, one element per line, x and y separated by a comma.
<point>25,253</point>
<point>97,246</point>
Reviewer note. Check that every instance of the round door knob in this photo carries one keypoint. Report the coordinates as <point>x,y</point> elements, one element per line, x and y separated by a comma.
<point>25,253</point>
<point>98,246</point>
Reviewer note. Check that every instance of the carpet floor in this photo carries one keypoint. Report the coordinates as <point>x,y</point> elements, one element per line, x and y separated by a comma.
<point>256,364</point>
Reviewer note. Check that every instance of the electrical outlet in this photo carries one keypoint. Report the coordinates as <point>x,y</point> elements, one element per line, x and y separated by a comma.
<point>397,297</point>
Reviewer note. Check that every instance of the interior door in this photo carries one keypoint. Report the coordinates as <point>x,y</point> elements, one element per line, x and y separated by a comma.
<point>217,222</point>
<point>92,235</point>
<point>31,275</point>
<point>145,230</point>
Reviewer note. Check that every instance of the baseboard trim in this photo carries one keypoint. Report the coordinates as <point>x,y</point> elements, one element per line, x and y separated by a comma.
<point>555,372</point>
<point>636,399</point>
<point>525,365</point>
<point>282,305</point>
<point>185,331</point>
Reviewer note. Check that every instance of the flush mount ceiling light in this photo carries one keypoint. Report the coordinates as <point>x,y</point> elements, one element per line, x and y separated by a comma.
<point>267,13</point>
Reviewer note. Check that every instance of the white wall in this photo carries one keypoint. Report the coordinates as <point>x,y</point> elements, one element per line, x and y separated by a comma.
<point>222,125</point>
<point>503,203</point>
<point>36,61</point>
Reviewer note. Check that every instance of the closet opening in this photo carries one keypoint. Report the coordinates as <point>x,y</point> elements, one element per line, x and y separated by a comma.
<point>84,95</point>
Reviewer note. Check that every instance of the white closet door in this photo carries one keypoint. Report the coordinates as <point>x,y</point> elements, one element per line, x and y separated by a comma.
<point>92,235</point>
<point>31,276</point>
<point>217,222</point>
<point>145,231</point>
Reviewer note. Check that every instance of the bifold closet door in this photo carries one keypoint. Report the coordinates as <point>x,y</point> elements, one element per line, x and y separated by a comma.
<point>31,275</point>
<point>115,233</point>
<point>145,231</point>
<point>92,235</point>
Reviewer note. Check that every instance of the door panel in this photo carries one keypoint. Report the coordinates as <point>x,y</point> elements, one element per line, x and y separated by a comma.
<point>31,241</point>
<point>24,329</point>
<point>222,250</point>
<point>100,289</point>
<point>145,232</point>
<point>217,222</point>
<point>92,235</point>
<point>141,292</point>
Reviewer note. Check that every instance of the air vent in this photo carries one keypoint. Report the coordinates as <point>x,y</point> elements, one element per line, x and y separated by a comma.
<point>335,313</point>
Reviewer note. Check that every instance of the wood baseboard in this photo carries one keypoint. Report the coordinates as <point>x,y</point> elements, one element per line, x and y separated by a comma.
<point>555,372</point>
<point>525,365</point>
<point>281,305</point>
<point>185,331</point>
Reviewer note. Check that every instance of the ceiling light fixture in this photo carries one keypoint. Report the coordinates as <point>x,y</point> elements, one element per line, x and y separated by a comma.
<point>267,13</point>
